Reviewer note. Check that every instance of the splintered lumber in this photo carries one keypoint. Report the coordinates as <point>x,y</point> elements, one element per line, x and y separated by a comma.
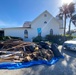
<point>11,52</point>
<point>3,60</point>
<point>10,47</point>
<point>19,51</point>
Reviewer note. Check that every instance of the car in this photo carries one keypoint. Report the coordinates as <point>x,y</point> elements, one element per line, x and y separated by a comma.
<point>70,45</point>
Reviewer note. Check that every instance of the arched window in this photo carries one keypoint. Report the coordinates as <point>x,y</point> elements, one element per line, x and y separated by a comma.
<point>26,34</point>
<point>45,15</point>
<point>51,31</point>
<point>45,22</point>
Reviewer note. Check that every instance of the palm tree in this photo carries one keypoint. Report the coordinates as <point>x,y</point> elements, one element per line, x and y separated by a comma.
<point>71,10</point>
<point>74,19</point>
<point>64,12</point>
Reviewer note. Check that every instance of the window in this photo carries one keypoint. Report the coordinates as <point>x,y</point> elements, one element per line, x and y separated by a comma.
<point>39,31</point>
<point>45,22</point>
<point>26,34</point>
<point>45,15</point>
<point>30,25</point>
<point>51,31</point>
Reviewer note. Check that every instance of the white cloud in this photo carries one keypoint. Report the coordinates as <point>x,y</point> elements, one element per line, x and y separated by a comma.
<point>4,24</point>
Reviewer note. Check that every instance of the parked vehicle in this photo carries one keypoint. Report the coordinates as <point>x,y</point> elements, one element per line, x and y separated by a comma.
<point>70,45</point>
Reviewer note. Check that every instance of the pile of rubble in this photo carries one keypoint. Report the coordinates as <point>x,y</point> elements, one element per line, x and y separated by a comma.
<point>19,51</point>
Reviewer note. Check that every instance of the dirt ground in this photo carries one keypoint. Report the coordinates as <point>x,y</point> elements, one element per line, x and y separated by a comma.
<point>66,66</point>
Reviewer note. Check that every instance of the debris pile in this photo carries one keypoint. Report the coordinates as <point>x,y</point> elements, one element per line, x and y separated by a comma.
<point>19,51</point>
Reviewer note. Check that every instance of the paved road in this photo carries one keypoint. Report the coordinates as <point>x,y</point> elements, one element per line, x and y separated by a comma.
<point>66,66</point>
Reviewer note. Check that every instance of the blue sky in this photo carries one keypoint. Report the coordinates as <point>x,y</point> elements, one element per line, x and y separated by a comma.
<point>14,13</point>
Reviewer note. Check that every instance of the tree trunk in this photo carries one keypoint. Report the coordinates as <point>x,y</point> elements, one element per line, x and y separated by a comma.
<point>64,26</point>
<point>70,27</point>
<point>70,24</point>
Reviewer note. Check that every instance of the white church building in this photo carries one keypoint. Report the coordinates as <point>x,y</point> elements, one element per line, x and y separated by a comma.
<point>43,25</point>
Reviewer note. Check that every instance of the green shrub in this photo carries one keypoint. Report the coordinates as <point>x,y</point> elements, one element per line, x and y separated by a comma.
<point>37,39</point>
<point>59,39</point>
<point>69,37</point>
<point>3,38</point>
<point>17,38</point>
